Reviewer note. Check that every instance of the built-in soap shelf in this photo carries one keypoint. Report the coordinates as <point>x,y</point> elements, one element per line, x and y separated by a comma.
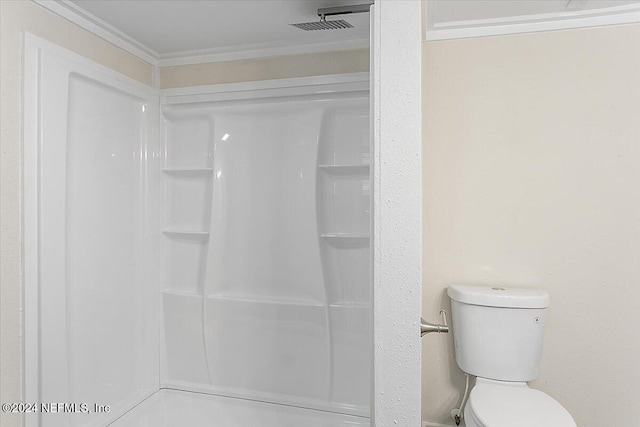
<point>173,232</point>
<point>266,299</point>
<point>351,240</point>
<point>186,294</point>
<point>188,171</point>
<point>187,174</point>
<point>345,170</point>
<point>345,236</point>
<point>350,304</point>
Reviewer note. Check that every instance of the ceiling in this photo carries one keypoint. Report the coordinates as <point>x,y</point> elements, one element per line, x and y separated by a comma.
<point>172,26</point>
<point>168,29</point>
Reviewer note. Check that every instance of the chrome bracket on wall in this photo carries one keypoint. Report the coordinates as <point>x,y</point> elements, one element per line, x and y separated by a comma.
<point>426,327</point>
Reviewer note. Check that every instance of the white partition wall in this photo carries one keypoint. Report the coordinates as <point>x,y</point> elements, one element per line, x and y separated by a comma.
<point>397,245</point>
<point>273,214</point>
<point>91,307</point>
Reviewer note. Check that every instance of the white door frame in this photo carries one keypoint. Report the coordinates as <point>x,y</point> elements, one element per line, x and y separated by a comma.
<point>397,230</point>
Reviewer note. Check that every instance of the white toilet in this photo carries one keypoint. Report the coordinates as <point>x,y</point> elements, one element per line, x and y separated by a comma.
<point>498,338</point>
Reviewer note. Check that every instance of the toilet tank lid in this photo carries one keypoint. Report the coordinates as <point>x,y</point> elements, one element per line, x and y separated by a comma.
<point>499,296</point>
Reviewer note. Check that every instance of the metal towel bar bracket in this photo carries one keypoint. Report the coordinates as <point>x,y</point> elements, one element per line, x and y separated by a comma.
<point>426,327</point>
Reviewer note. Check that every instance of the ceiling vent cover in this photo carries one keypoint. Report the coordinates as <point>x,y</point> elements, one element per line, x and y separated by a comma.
<point>323,25</point>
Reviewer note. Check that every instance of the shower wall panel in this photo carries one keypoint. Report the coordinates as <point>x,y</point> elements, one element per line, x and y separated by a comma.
<point>97,306</point>
<point>280,295</point>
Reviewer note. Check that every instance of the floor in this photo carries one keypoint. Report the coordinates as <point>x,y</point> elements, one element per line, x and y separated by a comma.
<point>170,408</point>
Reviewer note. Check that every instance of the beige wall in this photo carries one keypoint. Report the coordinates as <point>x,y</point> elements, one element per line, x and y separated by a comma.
<point>531,160</point>
<point>348,61</point>
<point>16,17</point>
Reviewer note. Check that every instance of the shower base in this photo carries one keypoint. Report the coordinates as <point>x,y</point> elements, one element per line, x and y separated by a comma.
<point>170,408</point>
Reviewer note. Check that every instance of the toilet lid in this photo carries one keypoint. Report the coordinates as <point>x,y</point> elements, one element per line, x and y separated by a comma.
<point>516,406</point>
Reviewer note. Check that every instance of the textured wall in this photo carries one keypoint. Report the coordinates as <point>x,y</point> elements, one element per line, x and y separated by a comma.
<point>531,177</point>
<point>16,17</point>
<point>396,229</point>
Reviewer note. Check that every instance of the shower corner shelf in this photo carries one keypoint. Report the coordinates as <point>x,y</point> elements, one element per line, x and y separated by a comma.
<point>350,304</point>
<point>188,171</point>
<point>174,232</point>
<point>182,293</point>
<point>346,240</point>
<point>345,170</point>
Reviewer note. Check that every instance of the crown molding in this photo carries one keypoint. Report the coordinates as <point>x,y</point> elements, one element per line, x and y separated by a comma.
<point>568,19</point>
<point>97,26</point>
<point>100,28</point>
<point>451,30</point>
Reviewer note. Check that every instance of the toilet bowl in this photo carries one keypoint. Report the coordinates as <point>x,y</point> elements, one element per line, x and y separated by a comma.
<point>507,404</point>
<point>498,335</point>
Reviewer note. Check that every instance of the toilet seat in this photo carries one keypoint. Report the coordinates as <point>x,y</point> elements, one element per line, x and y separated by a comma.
<point>499,404</point>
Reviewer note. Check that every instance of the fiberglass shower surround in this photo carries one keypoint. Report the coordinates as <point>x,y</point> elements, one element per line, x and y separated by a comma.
<point>197,247</point>
<point>268,220</point>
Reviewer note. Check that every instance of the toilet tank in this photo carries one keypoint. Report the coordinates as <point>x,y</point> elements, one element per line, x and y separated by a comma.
<point>498,331</point>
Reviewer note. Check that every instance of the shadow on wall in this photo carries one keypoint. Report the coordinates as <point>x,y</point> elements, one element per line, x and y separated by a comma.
<point>456,375</point>
<point>450,372</point>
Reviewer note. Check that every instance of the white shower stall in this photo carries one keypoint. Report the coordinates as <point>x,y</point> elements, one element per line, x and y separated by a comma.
<point>196,257</point>
<point>266,281</point>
